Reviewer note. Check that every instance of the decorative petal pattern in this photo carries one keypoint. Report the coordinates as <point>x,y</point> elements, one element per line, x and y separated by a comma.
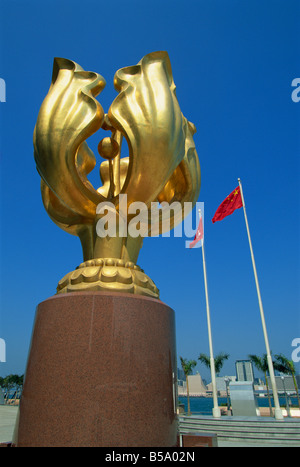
<point>147,113</point>
<point>67,117</point>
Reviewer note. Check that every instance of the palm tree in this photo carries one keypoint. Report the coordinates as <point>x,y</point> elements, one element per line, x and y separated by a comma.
<point>286,366</point>
<point>219,361</point>
<point>261,363</point>
<point>19,381</point>
<point>9,382</point>
<point>187,366</point>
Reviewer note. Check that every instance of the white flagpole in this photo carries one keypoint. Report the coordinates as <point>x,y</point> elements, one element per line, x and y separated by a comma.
<point>278,411</point>
<point>216,409</point>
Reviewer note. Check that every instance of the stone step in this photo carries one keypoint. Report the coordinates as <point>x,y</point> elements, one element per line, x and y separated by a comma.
<point>236,433</point>
<point>241,421</point>
<point>245,434</point>
<point>215,422</point>
<point>241,427</point>
<point>254,430</point>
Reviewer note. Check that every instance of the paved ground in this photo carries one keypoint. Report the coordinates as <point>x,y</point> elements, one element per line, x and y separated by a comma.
<point>8,416</point>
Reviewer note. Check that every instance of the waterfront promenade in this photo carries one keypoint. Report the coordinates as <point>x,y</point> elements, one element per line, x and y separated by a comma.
<point>8,416</point>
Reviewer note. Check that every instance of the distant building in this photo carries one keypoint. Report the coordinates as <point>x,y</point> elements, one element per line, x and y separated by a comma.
<point>244,370</point>
<point>196,386</point>
<point>221,385</point>
<point>284,383</point>
<point>180,374</point>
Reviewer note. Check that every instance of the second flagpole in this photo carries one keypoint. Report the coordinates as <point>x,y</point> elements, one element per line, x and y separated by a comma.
<point>278,411</point>
<point>216,409</point>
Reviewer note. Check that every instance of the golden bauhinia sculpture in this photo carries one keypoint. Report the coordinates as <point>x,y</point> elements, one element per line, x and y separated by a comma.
<point>162,167</point>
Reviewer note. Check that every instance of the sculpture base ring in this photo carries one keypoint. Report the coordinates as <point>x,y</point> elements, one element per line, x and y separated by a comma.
<point>108,274</point>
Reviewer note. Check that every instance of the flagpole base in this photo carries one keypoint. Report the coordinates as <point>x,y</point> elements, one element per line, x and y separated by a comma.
<point>216,412</point>
<point>279,414</point>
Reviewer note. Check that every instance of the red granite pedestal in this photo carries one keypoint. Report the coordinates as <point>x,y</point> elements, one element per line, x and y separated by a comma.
<point>101,372</point>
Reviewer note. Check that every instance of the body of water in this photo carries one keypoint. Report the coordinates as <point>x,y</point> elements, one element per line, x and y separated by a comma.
<point>204,405</point>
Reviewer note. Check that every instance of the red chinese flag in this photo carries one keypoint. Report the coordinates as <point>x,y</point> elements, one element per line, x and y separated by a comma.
<point>199,234</point>
<point>230,204</point>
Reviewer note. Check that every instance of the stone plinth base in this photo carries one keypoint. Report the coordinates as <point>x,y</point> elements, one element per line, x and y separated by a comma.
<point>199,440</point>
<point>101,372</point>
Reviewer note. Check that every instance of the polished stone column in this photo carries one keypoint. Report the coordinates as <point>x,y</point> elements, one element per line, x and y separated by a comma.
<point>101,372</point>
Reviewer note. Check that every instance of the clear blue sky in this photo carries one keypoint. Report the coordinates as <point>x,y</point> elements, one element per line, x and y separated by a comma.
<point>233,63</point>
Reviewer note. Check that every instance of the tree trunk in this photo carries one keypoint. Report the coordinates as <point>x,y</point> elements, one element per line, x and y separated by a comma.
<point>188,395</point>
<point>270,404</point>
<point>296,389</point>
